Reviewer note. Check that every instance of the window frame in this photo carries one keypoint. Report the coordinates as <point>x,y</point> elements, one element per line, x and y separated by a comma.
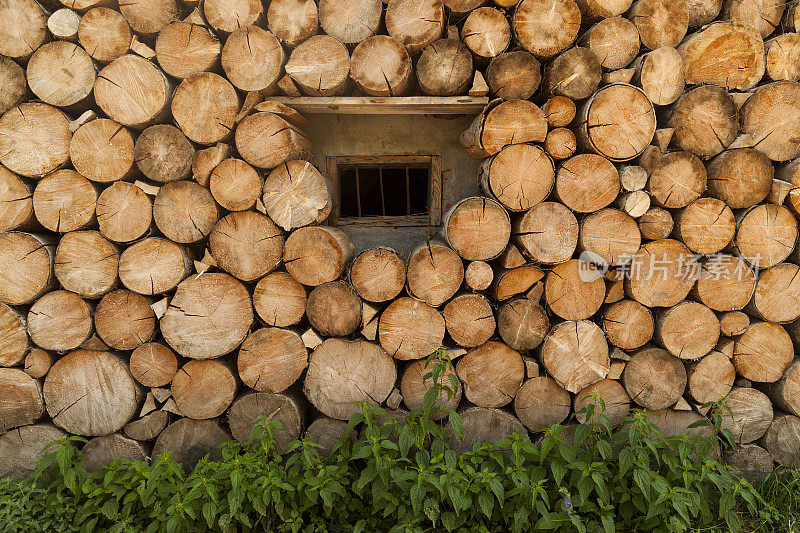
<point>431,219</point>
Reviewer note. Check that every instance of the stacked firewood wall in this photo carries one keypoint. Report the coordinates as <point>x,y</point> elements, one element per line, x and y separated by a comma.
<point>167,276</point>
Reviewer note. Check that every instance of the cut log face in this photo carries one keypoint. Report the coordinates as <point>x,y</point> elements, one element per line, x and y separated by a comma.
<point>209,316</point>
<point>279,300</point>
<point>102,150</point>
<point>247,410</point>
<point>25,29</point>
<point>320,66</point>
<point>410,329</point>
<point>783,57</point>
<point>266,140</point>
<point>104,34</point>
<point>725,283</point>
<point>688,331</point>
<point>513,75</point>
<point>334,309</point>
<point>381,66</point>
<point>20,448</point>
<point>12,76</point>
<point>478,275</point>
<point>124,212</point>
<point>660,22</point>
<point>618,122</point>
<point>415,23</point>
<point>750,461</point>
<point>86,263</point>
<point>445,68</point>
<point>547,233</point>
<point>660,74</point>
<point>153,365</point>
<point>226,16</point>
<point>100,451</point>
<point>711,378</point>
<point>762,15</point>
<point>546,28</point>
<point>132,91</point>
<point>574,290</point>
<point>706,226</point>
<point>782,439</point>
<point>727,54</point>
<point>492,374</point>
<point>378,274</point>
<point>777,138</point>
<point>611,234</point>
<point>519,176</point>
<point>16,203</point>
<point>741,177</point>
<point>292,21</point>
<point>189,440</point>
<point>662,273</point>
<point>766,235</point>
<point>61,73</point>
<point>296,195</point>
<point>59,321</point>
<point>246,244</point>
<point>26,267</point>
<point>21,401</point>
<point>777,294</point>
<point>204,107</point>
<point>184,49</point>
<point>272,359</point>
<point>763,353</point>
<point>705,121</point>
<point>486,32</point>
<point>435,272</point>
<point>517,280</point>
<point>469,320</point>
<point>184,211</point>
<point>64,201</point>
<point>477,228</point>
<point>575,353</point>
<point>316,255</point>
<point>124,320</point>
<point>733,323</point>
<point>34,139</point>
<point>14,342</point>
<point>203,389</point>
<point>235,185</point>
<point>628,324</point>
<point>484,425</point>
<point>413,388</point>
<point>162,153</point>
<point>654,379</point>
<point>747,414</point>
<point>252,59</point>
<point>656,223</point>
<point>616,402</point>
<point>148,17</point>
<point>785,393</point>
<point>522,324</point>
<point>587,182</point>
<point>370,373</point>
<point>701,12</point>
<point>90,393</point>
<point>350,21</point>
<point>541,403</point>
<point>153,266</point>
<point>614,41</point>
<point>148,427</point>
<point>326,432</point>
<point>575,73</point>
<point>560,143</point>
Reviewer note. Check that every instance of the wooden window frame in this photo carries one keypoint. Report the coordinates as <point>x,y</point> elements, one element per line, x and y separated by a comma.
<point>432,218</point>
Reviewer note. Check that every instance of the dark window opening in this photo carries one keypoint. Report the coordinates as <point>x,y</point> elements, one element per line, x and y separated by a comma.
<point>384,190</point>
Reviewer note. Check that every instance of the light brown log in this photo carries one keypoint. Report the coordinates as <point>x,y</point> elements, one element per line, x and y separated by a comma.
<point>34,139</point>
<point>728,54</point>
<point>153,365</point>
<point>61,74</point>
<point>469,320</point>
<point>660,75</point>
<point>741,177</point>
<point>271,359</point>
<point>317,254</point>
<point>350,21</point>
<point>124,212</point>
<point>292,21</point>
<point>484,425</point>
<point>706,226</point>
<point>511,122</point>
<point>90,393</point>
<point>246,244</point>
<point>477,228</point>
<point>209,316</point>
<point>266,140</point>
<point>295,195</point>
<point>519,176</point>
<point>410,329</point>
<point>249,409</point>
<point>434,273</point>
<point>747,413</point>
<point>235,185</point>
<point>628,324</point>
<point>325,432</point>
<point>148,427</point>
<point>575,73</point>
<point>64,201</point>
<point>518,280</point>
<point>21,447</point>
<point>184,211</point>
<point>634,204</point>
<point>204,107</point>
<point>618,122</point>
<point>63,24</point>
<point>701,12</point>
<point>725,283</point>
<point>559,111</point>
<point>334,309</point>
<point>415,23</point>
<point>148,17</point>
<point>662,273</point>
<point>762,15</point>
<point>478,275</point>
<point>513,75</point>
<point>766,235</point>
<point>769,120</point>
<point>100,451</point>
<point>660,22</point>
<point>37,362</point>
<point>190,440</point>
<point>184,49</point>
<point>616,402</point>
<point>86,263</point>
<point>378,274</point>
<point>791,17</point>
<point>59,320</point>
<point>12,76</point>
<point>102,150</point>
<point>733,323</point>
<point>414,386</point>
<point>370,372</point>
<point>540,403</point>
<point>546,28</point>
<point>711,378</point>
<point>203,389</point>
<point>381,66</point>
<point>750,461</point>
<point>445,68</point>
<point>547,233</point>
<point>705,121</point>
<point>21,401</point>
<point>133,91</point>
<point>227,16</point>
<point>587,182</point>
<point>560,143</point>
<point>279,300</point>
<point>596,9</point>
<point>492,374</point>
<point>763,353</point>
<point>252,59</point>
<point>460,7</point>
<point>614,41</point>
<point>24,29</point>
<point>688,330</point>
<point>153,266</point>
<point>522,324</point>
<point>163,153</point>
<point>104,34</point>
<point>785,392</point>
<point>574,290</point>
<point>320,66</point>
<point>656,224</point>
<point>26,267</point>
<point>486,32</point>
<point>610,234</point>
<point>124,320</point>
<point>654,379</point>
<point>777,294</point>
<point>207,159</point>
<point>575,354</point>
<point>782,439</point>
<point>783,57</point>
<point>511,257</point>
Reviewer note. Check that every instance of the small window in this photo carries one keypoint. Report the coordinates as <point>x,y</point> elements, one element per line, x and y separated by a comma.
<point>386,191</point>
